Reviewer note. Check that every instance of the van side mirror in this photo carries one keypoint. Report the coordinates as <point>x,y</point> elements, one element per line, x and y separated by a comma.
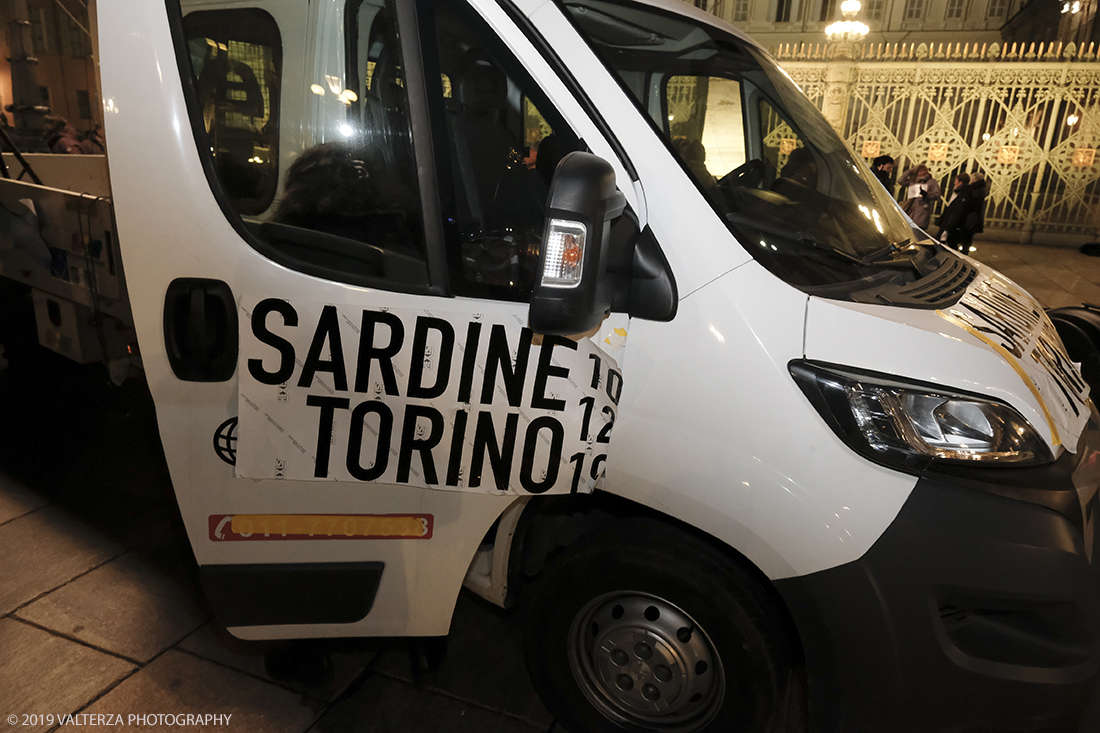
<point>572,291</point>
<point>587,267</point>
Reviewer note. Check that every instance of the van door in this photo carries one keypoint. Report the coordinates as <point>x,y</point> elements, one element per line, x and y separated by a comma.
<point>333,214</point>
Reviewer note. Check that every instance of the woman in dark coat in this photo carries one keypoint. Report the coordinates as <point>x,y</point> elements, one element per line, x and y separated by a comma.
<point>956,218</point>
<point>976,220</point>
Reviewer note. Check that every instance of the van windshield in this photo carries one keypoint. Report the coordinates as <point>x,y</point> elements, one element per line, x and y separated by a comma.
<point>786,185</point>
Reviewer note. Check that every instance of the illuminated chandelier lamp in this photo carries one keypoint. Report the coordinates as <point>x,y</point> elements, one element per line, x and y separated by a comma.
<point>848,30</point>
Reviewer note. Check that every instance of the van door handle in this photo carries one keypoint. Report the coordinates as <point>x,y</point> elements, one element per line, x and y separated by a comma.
<point>200,329</point>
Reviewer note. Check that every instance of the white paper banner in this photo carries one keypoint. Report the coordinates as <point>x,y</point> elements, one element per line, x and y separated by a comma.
<point>429,399</point>
<point>1002,315</point>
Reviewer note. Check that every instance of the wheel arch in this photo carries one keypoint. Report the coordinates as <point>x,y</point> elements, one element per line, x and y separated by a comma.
<point>1079,329</point>
<point>549,525</point>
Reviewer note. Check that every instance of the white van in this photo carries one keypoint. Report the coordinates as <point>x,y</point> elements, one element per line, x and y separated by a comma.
<point>583,304</point>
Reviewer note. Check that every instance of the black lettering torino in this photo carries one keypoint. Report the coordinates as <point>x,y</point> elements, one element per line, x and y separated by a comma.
<point>328,406</point>
<point>549,472</point>
<point>500,454</point>
<point>414,441</point>
<point>381,448</point>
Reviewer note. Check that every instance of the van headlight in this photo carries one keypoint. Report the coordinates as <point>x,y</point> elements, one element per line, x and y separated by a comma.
<point>906,426</point>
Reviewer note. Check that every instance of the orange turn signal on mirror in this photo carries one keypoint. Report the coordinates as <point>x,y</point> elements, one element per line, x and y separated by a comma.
<point>564,254</point>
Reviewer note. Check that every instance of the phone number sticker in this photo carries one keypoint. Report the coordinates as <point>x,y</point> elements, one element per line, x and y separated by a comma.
<point>258,527</point>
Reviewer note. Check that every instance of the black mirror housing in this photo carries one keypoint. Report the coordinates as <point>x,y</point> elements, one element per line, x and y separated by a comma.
<point>582,197</point>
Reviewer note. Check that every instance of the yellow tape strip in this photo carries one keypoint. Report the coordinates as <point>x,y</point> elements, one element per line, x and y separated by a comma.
<point>1014,363</point>
<point>328,525</point>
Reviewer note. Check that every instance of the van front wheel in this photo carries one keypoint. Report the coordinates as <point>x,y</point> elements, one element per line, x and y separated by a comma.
<point>641,627</point>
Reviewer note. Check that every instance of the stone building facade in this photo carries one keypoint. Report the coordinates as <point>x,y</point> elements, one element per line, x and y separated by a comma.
<point>891,21</point>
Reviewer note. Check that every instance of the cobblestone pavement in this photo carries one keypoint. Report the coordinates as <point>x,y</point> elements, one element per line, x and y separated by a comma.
<point>1056,276</point>
<point>101,615</point>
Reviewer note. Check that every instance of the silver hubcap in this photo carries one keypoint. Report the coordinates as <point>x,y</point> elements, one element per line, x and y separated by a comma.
<point>641,660</point>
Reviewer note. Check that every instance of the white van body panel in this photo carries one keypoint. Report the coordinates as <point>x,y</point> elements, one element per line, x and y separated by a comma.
<point>729,487</point>
<point>190,234</point>
<point>657,427</point>
<point>757,468</point>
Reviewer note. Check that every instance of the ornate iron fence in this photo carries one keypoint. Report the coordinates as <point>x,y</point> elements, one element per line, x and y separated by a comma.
<point>1028,117</point>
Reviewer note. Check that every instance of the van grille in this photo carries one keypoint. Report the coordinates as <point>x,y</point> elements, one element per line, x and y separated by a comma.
<point>941,288</point>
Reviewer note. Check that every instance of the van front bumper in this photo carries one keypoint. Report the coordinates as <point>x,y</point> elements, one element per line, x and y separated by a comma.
<point>977,610</point>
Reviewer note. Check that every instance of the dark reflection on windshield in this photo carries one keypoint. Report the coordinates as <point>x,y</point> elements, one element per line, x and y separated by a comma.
<point>787,186</point>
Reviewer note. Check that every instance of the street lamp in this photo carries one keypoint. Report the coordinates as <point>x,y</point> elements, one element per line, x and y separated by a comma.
<point>848,31</point>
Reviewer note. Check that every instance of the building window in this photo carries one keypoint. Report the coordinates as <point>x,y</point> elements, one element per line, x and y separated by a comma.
<point>236,56</point>
<point>80,43</point>
<point>914,9</point>
<point>956,9</point>
<point>741,10</point>
<point>39,39</point>
<point>997,9</point>
<point>783,11</point>
<point>701,4</point>
<point>828,10</point>
<point>875,9</point>
<point>718,8</point>
<point>84,104</point>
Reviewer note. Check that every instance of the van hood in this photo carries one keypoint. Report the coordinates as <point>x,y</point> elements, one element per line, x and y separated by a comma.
<point>995,341</point>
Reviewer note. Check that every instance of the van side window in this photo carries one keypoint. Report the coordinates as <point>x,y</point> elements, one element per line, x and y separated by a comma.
<point>783,151</point>
<point>347,206</point>
<point>498,140</point>
<point>706,125</point>
<point>373,127</point>
<point>236,56</point>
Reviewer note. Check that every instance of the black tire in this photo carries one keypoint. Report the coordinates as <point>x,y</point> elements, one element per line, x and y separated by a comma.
<point>625,601</point>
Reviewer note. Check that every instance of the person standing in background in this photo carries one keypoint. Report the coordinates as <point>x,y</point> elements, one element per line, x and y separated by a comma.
<point>954,220</point>
<point>921,191</point>
<point>883,168</point>
<point>975,221</point>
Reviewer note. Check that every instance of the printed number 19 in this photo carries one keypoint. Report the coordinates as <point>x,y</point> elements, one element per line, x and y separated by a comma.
<point>577,459</point>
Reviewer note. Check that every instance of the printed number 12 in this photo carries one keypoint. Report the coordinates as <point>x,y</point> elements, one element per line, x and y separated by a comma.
<point>589,403</point>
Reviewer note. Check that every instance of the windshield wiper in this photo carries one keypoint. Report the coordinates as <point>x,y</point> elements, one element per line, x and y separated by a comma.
<point>884,251</point>
<point>814,244</point>
<point>792,236</point>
